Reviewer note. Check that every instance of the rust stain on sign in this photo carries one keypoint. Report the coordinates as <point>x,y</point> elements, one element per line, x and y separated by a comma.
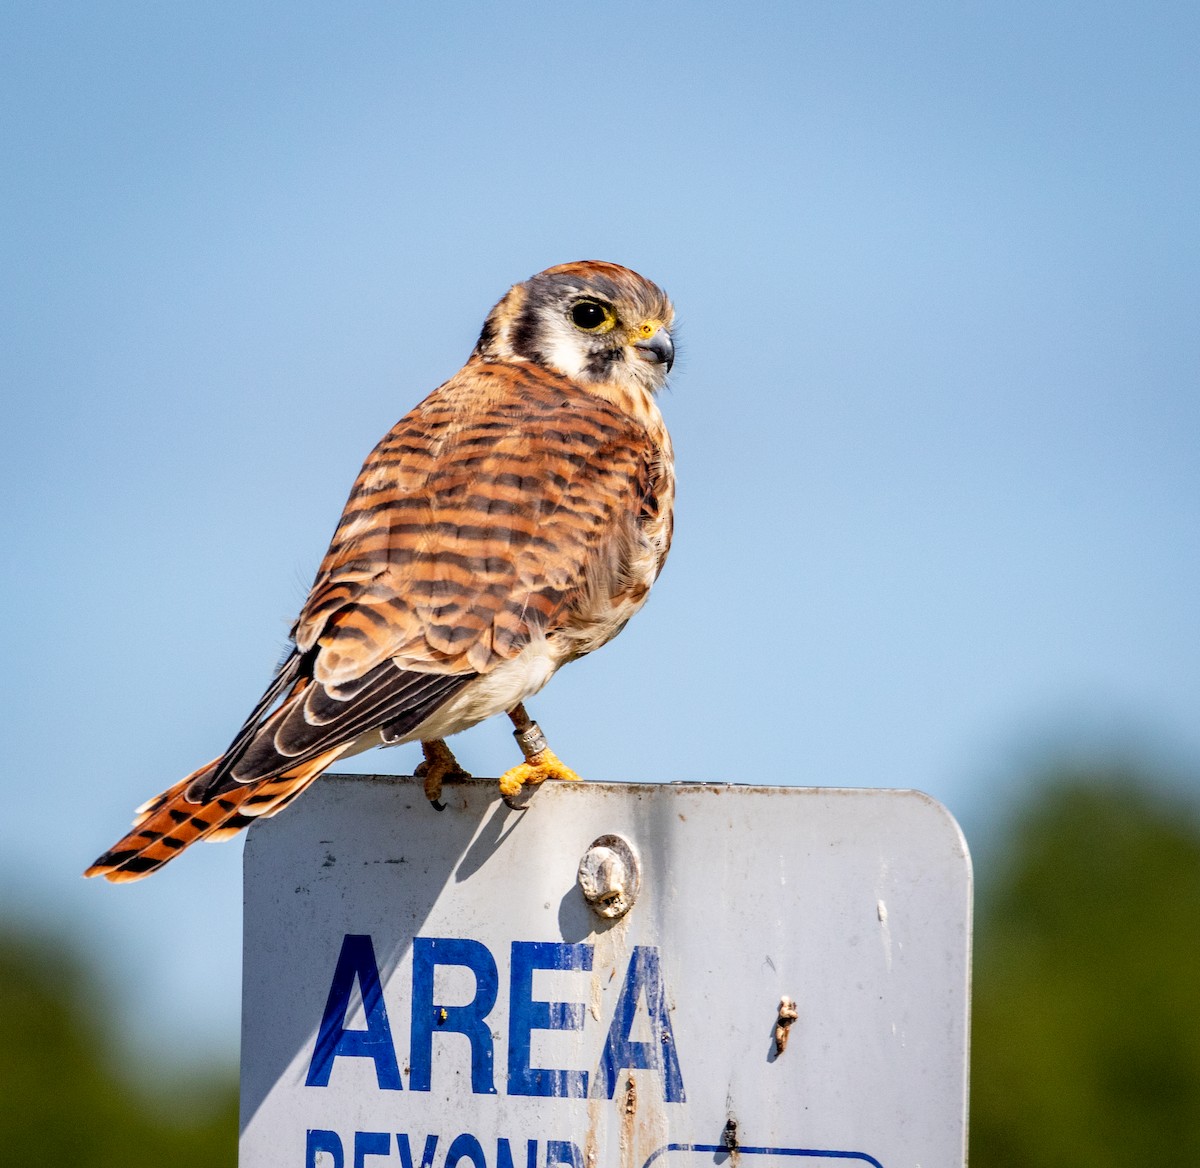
<point>628,1135</point>
<point>631,1098</point>
<point>729,1139</point>
<point>788,1013</point>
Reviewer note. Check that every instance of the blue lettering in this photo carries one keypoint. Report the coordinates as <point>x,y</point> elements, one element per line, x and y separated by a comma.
<point>466,1147</point>
<point>319,1141</point>
<point>504,1156</point>
<point>356,960</point>
<point>644,976</point>
<point>526,1015</point>
<point>428,1016</point>
<point>563,1152</point>
<point>370,1144</point>
<point>406,1150</point>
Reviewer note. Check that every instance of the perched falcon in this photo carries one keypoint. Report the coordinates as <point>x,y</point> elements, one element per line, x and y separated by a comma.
<point>513,521</point>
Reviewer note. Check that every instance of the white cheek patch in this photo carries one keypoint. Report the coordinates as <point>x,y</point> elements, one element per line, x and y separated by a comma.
<point>563,348</point>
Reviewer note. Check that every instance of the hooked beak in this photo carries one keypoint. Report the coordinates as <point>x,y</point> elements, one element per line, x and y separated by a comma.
<point>657,348</point>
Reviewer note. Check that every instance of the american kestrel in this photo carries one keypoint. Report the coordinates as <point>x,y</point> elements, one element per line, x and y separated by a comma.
<point>512,522</point>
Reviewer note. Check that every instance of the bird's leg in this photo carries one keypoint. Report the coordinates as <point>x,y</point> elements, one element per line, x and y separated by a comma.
<point>540,763</point>
<point>439,764</point>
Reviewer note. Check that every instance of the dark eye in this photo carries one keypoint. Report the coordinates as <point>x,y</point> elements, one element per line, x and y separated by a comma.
<point>590,316</point>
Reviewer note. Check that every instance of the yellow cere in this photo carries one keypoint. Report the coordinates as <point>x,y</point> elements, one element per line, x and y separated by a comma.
<point>648,329</point>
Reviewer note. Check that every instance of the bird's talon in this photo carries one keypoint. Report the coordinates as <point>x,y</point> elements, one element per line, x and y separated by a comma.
<point>540,767</point>
<point>513,780</point>
<point>521,800</point>
<point>439,765</point>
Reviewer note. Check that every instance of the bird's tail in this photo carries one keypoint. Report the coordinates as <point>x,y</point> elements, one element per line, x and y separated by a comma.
<point>168,823</point>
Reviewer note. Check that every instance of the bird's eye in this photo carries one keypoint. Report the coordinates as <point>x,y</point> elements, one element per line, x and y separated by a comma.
<point>591,316</point>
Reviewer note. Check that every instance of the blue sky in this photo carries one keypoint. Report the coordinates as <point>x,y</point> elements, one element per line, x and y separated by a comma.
<point>936,410</point>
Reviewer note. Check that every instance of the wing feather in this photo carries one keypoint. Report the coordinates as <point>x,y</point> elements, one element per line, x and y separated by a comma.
<point>314,721</point>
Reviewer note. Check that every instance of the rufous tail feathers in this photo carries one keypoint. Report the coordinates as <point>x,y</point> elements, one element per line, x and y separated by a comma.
<point>168,823</point>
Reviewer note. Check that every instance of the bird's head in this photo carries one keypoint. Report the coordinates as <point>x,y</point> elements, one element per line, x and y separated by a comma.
<point>594,322</point>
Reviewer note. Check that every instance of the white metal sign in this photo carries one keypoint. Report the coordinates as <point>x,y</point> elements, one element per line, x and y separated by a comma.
<point>763,977</point>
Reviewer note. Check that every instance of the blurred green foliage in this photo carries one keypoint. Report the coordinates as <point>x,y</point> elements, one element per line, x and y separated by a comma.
<point>63,1099</point>
<point>1086,1028</point>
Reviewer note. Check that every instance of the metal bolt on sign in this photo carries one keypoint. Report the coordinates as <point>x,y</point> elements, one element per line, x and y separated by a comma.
<point>610,876</point>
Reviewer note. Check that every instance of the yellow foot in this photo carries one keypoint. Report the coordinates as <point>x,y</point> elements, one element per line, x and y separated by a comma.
<point>540,767</point>
<point>439,764</point>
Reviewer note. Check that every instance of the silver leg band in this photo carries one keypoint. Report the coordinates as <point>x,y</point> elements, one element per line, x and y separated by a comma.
<point>531,740</point>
